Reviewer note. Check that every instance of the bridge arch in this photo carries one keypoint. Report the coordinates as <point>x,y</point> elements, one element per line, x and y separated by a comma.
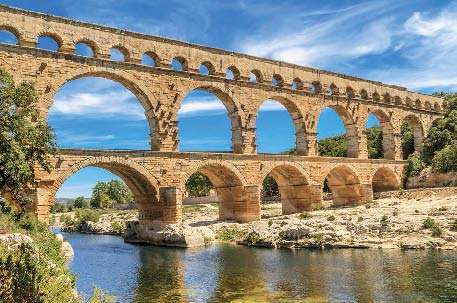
<point>388,138</point>
<point>143,185</point>
<point>418,131</point>
<point>296,193</point>
<point>384,179</point>
<point>236,200</point>
<point>13,31</point>
<point>345,186</point>
<point>297,120</point>
<point>123,78</point>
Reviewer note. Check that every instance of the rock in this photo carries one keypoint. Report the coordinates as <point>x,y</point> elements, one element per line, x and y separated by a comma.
<point>59,237</point>
<point>67,250</point>
<point>15,240</point>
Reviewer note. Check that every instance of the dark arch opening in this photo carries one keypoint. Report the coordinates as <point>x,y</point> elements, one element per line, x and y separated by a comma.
<point>277,80</point>
<point>337,133</point>
<point>385,180</point>
<point>232,73</point>
<point>297,84</point>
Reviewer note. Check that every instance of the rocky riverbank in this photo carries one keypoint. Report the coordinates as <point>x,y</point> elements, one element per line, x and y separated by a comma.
<point>389,223</point>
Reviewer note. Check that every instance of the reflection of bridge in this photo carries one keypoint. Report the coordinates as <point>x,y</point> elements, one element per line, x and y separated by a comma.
<point>156,177</point>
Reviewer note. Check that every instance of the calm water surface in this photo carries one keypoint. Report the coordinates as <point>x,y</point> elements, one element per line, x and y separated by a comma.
<point>226,273</point>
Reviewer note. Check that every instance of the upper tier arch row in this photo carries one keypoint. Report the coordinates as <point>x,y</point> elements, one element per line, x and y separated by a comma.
<point>29,26</point>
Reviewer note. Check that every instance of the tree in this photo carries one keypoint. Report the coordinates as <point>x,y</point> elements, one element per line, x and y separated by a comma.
<point>198,185</point>
<point>375,142</point>
<point>407,140</point>
<point>270,186</point>
<point>81,202</point>
<point>106,194</point>
<point>26,140</point>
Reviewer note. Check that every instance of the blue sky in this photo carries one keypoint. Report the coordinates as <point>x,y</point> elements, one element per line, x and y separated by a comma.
<point>408,43</point>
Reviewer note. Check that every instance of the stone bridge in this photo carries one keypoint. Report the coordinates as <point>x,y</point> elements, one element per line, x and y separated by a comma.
<point>156,177</point>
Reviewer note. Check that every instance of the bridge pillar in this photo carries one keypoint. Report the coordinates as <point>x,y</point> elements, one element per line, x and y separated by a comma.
<point>311,144</point>
<point>299,198</point>
<point>239,203</point>
<point>40,206</point>
<point>398,150</point>
<point>362,141</point>
<point>166,211</point>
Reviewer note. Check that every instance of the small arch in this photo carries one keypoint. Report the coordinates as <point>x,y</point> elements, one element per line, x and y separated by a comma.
<point>345,186</point>
<point>427,105</point>
<point>385,179</point>
<point>364,94</point>
<point>255,76</point>
<point>388,137</point>
<point>418,104</point>
<point>376,97</point>
<point>333,90</point>
<point>179,64</point>
<point>277,80</point>
<point>9,35</point>
<point>437,107</point>
<point>445,105</point>
<point>350,93</point>
<point>207,68</point>
<point>409,102</point>
<point>297,84</point>
<point>232,73</point>
<point>316,87</point>
<point>387,98</point>
<point>119,53</point>
<point>83,49</point>
<point>398,100</point>
<point>150,58</point>
<point>49,41</point>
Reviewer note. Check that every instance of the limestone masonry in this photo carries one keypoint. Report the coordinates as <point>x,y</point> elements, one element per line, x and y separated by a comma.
<point>157,177</point>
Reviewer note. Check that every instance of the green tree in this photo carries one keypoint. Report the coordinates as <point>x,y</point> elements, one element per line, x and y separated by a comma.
<point>100,196</point>
<point>198,185</point>
<point>119,192</point>
<point>375,142</point>
<point>407,140</point>
<point>333,146</point>
<point>26,140</point>
<point>81,202</point>
<point>269,186</point>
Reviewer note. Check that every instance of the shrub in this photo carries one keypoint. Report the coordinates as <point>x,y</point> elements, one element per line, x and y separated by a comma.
<point>445,160</point>
<point>227,234</point>
<point>117,227</point>
<point>395,213</point>
<point>436,231</point>
<point>331,218</point>
<point>453,226</point>
<point>252,238</point>
<point>428,223</point>
<point>305,215</point>
<point>85,215</point>
<point>270,222</point>
<point>414,166</point>
<point>360,219</point>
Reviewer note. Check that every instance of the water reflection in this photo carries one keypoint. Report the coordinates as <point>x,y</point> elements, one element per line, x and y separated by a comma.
<point>240,274</point>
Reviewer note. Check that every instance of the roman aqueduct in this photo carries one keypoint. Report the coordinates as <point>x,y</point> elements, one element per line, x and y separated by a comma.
<point>157,176</point>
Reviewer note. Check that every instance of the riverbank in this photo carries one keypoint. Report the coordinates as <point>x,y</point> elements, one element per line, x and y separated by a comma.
<point>388,223</point>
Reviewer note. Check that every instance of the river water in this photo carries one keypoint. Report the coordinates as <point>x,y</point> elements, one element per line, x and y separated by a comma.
<point>227,273</point>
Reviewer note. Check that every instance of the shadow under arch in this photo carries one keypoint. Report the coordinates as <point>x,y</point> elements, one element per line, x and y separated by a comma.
<point>385,179</point>
<point>123,78</point>
<point>345,185</point>
<point>143,185</point>
<point>297,120</point>
<point>297,195</point>
<point>388,140</point>
<point>350,126</point>
<point>235,199</point>
<point>232,106</point>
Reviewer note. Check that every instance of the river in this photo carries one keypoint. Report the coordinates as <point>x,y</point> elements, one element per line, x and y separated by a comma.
<point>227,273</point>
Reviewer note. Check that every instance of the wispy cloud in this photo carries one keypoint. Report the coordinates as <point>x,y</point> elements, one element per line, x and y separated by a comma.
<point>111,103</point>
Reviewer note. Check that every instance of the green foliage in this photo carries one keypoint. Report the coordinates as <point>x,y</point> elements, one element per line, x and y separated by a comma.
<point>106,194</point>
<point>117,227</point>
<point>445,160</point>
<point>333,146</point>
<point>81,202</point>
<point>414,166</point>
<point>304,215</point>
<point>407,140</point>
<point>100,297</point>
<point>23,143</point>
<point>453,226</point>
<point>360,219</point>
<point>85,215</point>
<point>270,187</point>
<point>227,234</point>
<point>436,231</point>
<point>198,185</point>
<point>428,223</point>
<point>331,218</point>
<point>375,142</point>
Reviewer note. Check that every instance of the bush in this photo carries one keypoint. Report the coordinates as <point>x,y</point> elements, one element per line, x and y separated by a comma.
<point>360,219</point>
<point>453,226</point>
<point>305,215</point>
<point>445,160</point>
<point>227,234</point>
<point>414,166</point>
<point>85,215</point>
<point>331,218</point>
<point>436,231</point>
<point>117,228</point>
<point>428,223</point>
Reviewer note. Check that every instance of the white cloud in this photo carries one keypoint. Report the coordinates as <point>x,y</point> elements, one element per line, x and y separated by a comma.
<point>201,105</point>
<point>271,105</point>
<point>102,104</point>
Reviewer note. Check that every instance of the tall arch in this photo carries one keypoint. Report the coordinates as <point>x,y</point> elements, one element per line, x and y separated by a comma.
<point>236,200</point>
<point>388,138</point>
<point>352,137</point>
<point>297,120</point>
<point>124,78</point>
<point>232,107</point>
<point>296,193</point>
<point>143,185</point>
<point>418,131</point>
<point>345,186</point>
<point>384,179</point>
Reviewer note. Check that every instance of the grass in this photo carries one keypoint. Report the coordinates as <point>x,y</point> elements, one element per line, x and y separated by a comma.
<point>304,215</point>
<point>228,234</point>
<point>453,226</point>
<point>193,208</point>
<point>428,223</point>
